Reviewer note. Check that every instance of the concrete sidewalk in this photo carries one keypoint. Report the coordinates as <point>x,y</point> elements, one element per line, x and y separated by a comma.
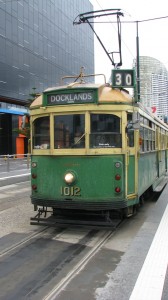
<point>16,176</point>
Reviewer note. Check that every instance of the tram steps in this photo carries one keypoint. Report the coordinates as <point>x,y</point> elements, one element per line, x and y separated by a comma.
<point>161,185</point>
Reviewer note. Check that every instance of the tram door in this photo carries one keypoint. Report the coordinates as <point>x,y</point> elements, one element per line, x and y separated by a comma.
<point>131,159</point>
<point>132,147</point>
<point>161,153</point>
<point>131,162</point>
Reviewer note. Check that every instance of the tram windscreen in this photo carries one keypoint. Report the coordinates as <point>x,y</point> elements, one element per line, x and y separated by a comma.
<point>105,131</point>
<point>41,133</point>
<point>69,131</point>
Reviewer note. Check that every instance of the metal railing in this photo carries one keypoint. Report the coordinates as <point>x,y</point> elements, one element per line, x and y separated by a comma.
<point>12,162</point>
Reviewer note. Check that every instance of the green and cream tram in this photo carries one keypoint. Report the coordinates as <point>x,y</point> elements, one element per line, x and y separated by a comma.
<point>94,149</point>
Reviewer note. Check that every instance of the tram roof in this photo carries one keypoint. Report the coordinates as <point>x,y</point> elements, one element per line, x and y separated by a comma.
<point>109,94</point>
<point>105,92</point>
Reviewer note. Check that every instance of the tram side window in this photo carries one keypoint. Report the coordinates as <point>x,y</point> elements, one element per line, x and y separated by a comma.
<point>154,141</point>
<point>130,130</point>
<point>141,139</point>
<point>69,131</point>
<point>105,131</point>
<point>163,139</point>
<point>147,139</point>
<point>41,133</point>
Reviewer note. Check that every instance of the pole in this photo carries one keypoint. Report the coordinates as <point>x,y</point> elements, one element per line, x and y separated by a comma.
<point>138,69</point>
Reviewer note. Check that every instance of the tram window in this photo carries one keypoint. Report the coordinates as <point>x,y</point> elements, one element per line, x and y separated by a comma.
<point>162,141</point>
<point>130,130</point>
<point>69,131</point>
<point>153,141</point>
<point>141,139</point>
<point>105,131</point>
<point>130,138</point>
<point>153,126</point>
<point>146,140</point>
<point>141,119</point>
<point>150,140</point>
<point>41,133</point>
<point>146,122</point>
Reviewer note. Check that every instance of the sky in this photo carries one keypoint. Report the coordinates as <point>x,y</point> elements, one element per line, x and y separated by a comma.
<point>153,35</point>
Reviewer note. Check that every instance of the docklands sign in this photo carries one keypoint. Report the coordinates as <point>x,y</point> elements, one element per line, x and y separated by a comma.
<point>84,97</point>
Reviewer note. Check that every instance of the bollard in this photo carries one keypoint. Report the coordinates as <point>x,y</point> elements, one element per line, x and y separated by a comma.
<point>28,160</point>
<point>11,162</point>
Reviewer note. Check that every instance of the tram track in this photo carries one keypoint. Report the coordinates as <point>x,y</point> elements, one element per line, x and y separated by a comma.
<point>78,267</point>
<point>53,253</point>
<point>22,242</point>
<point>40,232</point>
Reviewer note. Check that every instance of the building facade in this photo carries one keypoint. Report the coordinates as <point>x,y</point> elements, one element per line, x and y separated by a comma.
<point>39,45</point>
<point>154,86</point>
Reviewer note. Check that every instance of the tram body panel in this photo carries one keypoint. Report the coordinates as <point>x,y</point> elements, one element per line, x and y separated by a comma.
<point>96,178</point>
<point>147,171</point>
<point>131,176</point>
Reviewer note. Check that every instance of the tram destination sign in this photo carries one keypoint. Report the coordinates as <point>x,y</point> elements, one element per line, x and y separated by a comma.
<point>71,98</point>
<point>123,78</point>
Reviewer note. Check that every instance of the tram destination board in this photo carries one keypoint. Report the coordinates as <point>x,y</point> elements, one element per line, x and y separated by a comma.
<point>123,78</point>
<point>71,98</point>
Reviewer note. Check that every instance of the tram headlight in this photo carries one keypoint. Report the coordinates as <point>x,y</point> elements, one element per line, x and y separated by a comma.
<point>69,178</point>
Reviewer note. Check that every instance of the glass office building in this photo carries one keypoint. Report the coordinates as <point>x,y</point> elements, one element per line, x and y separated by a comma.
<point>38,45</point>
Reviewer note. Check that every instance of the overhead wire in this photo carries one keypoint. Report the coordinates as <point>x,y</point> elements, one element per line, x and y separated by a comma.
<point>112,22</point>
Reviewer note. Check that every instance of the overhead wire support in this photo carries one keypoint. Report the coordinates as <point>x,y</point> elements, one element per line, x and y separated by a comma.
<point>86,17</point>
<point>96,13</point>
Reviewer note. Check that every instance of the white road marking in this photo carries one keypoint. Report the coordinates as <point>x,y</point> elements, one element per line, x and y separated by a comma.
<point>14,176</point>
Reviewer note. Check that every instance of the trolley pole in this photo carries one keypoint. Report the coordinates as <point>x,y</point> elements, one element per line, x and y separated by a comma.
<point>138,69</point>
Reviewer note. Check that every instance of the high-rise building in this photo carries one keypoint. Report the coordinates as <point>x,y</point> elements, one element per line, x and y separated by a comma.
<point>38,45</point>
<point>154,85</point>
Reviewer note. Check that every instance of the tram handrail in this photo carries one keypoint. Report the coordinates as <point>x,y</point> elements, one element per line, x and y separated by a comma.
<point>80,77</point>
